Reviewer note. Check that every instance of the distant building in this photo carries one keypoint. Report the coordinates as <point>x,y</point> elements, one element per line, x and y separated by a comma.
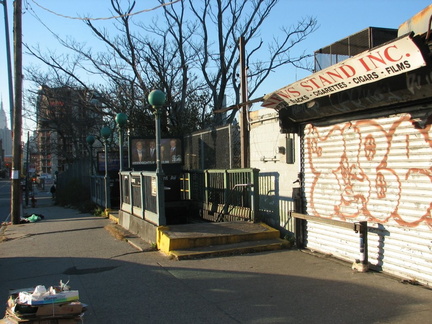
<point>2,162</point>
<point>5,132</point>
<point>63,122</point>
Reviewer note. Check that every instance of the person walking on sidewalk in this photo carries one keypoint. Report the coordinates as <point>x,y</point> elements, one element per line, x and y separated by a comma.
<point>33,201</point>
<point>53,191</point>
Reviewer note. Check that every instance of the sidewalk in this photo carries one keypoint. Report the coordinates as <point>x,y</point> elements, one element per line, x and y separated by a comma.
<point>121,284</point>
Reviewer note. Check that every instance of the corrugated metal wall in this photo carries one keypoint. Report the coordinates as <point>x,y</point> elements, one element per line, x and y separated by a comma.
<point>379,171</point>
<point>328,239</point>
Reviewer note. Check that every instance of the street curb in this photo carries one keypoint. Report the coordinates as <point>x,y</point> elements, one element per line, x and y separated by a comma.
<point>135,241</point>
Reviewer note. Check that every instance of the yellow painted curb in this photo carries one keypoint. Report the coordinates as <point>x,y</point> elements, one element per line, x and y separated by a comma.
<point>162,240</point>
<point>114,218</point>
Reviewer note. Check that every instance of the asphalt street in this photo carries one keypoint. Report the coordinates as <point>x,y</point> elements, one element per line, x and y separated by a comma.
<point>123,285</point>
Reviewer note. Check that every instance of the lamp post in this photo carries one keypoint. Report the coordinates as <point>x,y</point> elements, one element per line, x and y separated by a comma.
<point>157,98</point>
<point>106,133</point>
<point>90,140</point>
<point>121,120</point>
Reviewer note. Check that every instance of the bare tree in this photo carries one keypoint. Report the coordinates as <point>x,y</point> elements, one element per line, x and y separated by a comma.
<point>190,51</point>
<point>165,63</point>
<point>222,23</point>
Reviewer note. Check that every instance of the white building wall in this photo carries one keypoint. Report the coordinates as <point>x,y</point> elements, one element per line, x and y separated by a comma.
<point>267,154</point>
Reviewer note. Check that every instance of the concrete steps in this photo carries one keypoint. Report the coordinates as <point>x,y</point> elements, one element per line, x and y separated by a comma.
<point>199,240</point>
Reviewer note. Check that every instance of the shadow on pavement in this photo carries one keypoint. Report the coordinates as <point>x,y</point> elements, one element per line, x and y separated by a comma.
<point>122,285</point>
<point>128,292</point>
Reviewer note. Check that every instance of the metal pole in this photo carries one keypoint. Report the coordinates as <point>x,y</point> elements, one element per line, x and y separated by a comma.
<point>27,170</point>
<point>106,178</point>
<point>158,141</point>
<point>92,180</point>
<point>121,147</point>
<point>9,62</point>
<point>244,127</point>
<point>91,161</point>
<point>17,117</point>
<point>157,98</point>
<point>362,264</point>
<point>364,243</point>
<point>159,171</point>
<point>121,165</point>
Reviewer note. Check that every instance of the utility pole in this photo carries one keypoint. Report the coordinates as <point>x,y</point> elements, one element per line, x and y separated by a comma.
<point>244,125</point>
<point>17,116</point>
<point>27,170</point>
<point>8,59</point>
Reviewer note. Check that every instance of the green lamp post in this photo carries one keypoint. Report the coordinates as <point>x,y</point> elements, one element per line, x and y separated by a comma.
<point>90,141</point>
<point>106,133</point>
<point>157,98</point>
<point>121,120</point>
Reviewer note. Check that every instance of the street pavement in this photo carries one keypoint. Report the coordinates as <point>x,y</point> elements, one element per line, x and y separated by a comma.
<point>121,284</point>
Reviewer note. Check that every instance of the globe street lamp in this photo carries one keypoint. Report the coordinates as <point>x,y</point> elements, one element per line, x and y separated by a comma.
<point>106,133</point>
<point>157,98</point>
<point>121,120</point>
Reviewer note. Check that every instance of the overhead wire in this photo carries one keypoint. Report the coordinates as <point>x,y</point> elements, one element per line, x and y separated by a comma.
<point>104,18</point>
<point>112,17</point>
<point>100,18</point>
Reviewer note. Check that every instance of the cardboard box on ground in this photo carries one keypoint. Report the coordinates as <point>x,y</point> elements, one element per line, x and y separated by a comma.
<point>37,305</point>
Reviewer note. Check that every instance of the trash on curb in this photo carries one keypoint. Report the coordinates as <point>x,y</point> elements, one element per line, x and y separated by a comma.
<point>57,304</point>
<point>33,218</point>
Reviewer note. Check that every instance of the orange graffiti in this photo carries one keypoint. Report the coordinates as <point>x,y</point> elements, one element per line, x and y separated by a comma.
<point>376,170</point>
<point>381,185</point>
<point>369,147</point>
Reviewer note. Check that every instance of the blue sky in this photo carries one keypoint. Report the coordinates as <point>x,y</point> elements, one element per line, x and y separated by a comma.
<point>336,19</point>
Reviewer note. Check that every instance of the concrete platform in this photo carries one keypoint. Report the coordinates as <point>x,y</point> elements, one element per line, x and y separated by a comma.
<point>213,239</point>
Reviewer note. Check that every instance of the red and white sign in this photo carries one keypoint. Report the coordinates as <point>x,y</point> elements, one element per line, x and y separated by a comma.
<point>381,62</point>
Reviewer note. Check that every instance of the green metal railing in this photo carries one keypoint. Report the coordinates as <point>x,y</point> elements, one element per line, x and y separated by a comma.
<point>218,195</point>
<point>223,195</point>
<point>139,196</point>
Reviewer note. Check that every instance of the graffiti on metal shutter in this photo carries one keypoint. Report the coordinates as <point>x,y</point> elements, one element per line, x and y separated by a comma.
<point>379,170</point>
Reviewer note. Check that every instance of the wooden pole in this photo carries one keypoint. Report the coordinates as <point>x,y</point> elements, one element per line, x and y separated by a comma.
<point>17,117</point>
<point>9,62</point>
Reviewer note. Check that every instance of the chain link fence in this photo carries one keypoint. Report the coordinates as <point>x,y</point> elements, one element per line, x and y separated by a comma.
<point>217,148</point>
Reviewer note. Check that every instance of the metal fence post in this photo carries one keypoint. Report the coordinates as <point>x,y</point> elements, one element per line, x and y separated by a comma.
<point>255,196</point>
<point>362,265</point>
<point>227,192</point>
